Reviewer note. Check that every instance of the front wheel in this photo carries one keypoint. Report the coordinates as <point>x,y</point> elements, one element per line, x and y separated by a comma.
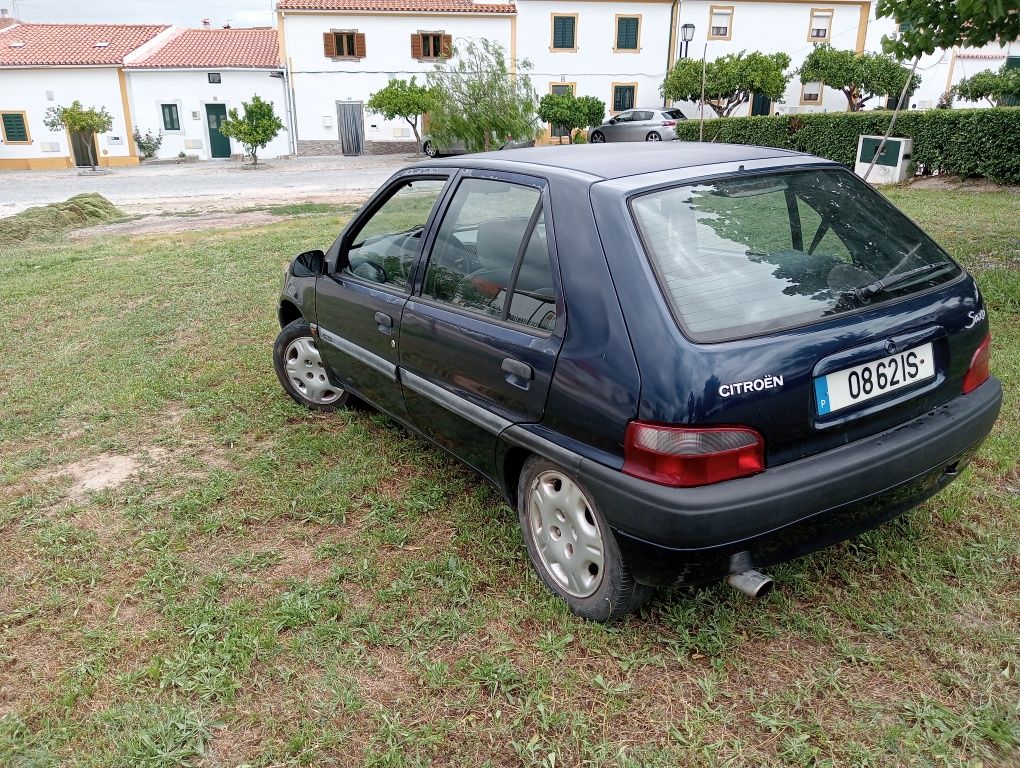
<point>301,371</point>
<point>571,545</point>
<point>597,137</point>
<point>653,136</point>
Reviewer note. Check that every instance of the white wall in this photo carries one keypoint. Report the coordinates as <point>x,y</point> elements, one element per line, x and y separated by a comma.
<point>191,90</point>
<point>27,90</point>
<point>319,82</point>
<point>770,28</point>
<point>595,66</point>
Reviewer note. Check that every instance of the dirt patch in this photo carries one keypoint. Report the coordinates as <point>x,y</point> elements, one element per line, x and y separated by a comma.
<point>957,184</point>
<point>99,473</point>
<point>160,225</point>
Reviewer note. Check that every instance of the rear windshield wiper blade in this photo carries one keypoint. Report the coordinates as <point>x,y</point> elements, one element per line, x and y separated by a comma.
<point>866,292</point>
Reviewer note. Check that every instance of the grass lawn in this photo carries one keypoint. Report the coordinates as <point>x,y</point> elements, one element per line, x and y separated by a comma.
<point>193,570</point>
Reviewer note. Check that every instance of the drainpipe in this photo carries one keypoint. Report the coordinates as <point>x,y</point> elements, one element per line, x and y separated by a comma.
<point>672,42</point>
<point>285,82</point>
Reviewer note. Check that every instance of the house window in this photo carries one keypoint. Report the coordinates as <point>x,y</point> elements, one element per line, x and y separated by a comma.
<point>431,45</point>
<point>720,22</point>
<point>623,96</point>
<point>564,33</point>
<point>15,128</point>
<point>171,118</point>
<point>214,78</point>
<point>811,93</point>
<point>628,33</point>
<point>820,28</point>
<point>344,44</point>
<point>560,132</point>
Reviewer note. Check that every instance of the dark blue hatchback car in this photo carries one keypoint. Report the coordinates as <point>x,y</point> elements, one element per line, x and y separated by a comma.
<point>677,362</point>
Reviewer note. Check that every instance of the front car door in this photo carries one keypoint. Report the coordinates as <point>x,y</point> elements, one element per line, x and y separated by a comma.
<point>480,337</point>
<point>618,130</point>
<point>370,274</point>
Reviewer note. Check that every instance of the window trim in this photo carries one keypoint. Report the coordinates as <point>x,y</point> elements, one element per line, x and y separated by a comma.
<point>337,33</point>
<point>811,19</point>
<point>552,32</point>
<point>712,10</point>
<point>612,98</point>
<point>24,122</point>
<point>438,33</point>
<point>821,93</point>
<point>616,32</point>
<point>162,117</point>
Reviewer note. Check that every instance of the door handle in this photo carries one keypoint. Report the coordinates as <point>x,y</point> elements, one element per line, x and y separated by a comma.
<point>385,321</point>
<point>518,373</point>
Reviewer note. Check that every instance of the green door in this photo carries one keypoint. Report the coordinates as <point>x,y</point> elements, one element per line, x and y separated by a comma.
<point>215,115</point>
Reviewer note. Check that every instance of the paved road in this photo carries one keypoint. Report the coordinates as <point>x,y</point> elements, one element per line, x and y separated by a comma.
<point>209,185</point>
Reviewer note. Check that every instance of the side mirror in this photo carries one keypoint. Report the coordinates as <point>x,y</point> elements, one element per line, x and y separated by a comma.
<point>309,264</point>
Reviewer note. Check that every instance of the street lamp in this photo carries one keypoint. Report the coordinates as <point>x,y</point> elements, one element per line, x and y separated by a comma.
<point>686,35</point>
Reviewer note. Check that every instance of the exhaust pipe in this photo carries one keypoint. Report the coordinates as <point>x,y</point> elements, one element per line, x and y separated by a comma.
<point>744,578</point>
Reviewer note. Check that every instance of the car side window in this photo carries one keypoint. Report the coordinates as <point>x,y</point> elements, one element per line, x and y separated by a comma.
<point>384,249</point>
<point>491,245</point>
<point>625,117</point>
<point>642,115</point>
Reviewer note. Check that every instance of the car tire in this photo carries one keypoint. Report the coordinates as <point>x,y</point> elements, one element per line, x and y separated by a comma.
<point>301,371</point>
<point>597,137</point>
<point>653,136</point>
<point>571,545</point>
<point>429,149</point>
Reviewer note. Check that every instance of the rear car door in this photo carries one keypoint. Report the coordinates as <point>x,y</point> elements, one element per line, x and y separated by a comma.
<point>642,125</point>
<point>358,304</point>
<point>479,339</point>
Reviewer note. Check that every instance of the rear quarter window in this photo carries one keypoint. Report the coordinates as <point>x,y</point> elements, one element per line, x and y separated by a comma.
<point>744,256</point>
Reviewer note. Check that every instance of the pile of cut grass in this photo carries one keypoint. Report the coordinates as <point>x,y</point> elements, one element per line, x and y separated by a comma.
<point>78,211</point>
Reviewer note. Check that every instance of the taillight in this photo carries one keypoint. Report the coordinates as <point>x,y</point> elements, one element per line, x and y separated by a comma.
<point>669,122</point>
<point>978,372</point>
<point>689,456</point>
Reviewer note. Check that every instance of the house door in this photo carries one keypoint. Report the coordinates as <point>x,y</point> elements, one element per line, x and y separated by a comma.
<point>351,126</point>
<point>80,149</point>
<point>215,115</point>
<point>761,104</point>
<point>558,132</point>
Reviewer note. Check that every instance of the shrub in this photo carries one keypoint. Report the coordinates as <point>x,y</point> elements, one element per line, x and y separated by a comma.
<point>960,142</point>
<point>148,142</point>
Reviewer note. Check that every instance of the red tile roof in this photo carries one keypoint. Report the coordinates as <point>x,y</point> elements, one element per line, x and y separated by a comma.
<point>215,48</point>
<point>397,6</point>
<point>72,44</point>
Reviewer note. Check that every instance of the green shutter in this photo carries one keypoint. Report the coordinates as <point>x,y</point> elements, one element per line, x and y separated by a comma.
<point>627,33</point>
<point>171,120</point>
<point>1012,62</point>
<point>623,98</point>
<point>563,32</point>
<point>14,127</point>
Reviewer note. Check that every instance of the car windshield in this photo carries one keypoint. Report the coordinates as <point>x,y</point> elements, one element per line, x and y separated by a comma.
<point>744,256</point>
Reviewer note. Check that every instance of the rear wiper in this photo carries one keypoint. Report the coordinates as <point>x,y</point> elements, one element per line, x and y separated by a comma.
<point>865,293</point>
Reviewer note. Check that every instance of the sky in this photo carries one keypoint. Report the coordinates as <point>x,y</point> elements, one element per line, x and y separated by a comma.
<point>186,13</point>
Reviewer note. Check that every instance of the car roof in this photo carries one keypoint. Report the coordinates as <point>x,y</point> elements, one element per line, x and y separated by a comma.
<point>614,161</point>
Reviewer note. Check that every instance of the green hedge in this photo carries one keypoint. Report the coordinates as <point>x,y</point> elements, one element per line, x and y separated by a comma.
<point>961,142</point>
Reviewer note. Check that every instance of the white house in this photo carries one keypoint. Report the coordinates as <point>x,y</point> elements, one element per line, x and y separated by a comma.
<point>185,85</point>
<point>46,65</point>
<point>339,52</point>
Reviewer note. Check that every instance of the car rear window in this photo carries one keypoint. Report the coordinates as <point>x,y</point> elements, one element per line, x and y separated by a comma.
<point>673,114</point>
<point>744,256</point>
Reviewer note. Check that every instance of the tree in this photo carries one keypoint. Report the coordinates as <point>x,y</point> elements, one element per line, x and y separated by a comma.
<point>995,87</point>
<point>257,127</point>
<point>77,119</point>
<point>478,101</point>
<point>860,76</point>
<point>926,25</point>
<point>729,80</point>
<point>571,112</point>
<point>405,100</point>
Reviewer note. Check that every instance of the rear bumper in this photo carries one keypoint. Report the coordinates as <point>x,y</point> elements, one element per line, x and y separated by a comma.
<point>677,534</point>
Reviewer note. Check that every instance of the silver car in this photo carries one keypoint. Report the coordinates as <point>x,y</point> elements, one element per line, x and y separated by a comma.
<point>650,124</point>
<point>429,147</point>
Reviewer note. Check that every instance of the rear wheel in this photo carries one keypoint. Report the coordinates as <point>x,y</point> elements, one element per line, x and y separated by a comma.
<point>430,149</point>
<point>301,371</point>
<point>653,136</point>
<point>597,137</point>
<point>571,545</point>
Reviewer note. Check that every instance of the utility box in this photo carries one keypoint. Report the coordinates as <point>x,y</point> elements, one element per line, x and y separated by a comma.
<point>894,165</point>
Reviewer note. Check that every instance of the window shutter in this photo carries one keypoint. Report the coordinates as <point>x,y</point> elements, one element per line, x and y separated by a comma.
<point>563,32</point>
<point>328,45</point>
<point>14,127</point>
<point>447,46</point>
<point>627,34</point>
<point>359,45</point>
<point>416,47</point>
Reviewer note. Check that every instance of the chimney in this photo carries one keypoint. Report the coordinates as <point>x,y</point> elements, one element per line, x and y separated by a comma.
<point>206,24</point>
<point>4,13</point>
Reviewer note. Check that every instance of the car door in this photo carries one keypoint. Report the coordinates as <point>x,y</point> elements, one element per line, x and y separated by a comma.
<point>359,301</point>
<point>641,126</point>
<point>480,336</point>
<point>618,130</point>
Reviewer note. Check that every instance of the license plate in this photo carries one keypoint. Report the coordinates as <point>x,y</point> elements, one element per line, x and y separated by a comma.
<point>861,383</point>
